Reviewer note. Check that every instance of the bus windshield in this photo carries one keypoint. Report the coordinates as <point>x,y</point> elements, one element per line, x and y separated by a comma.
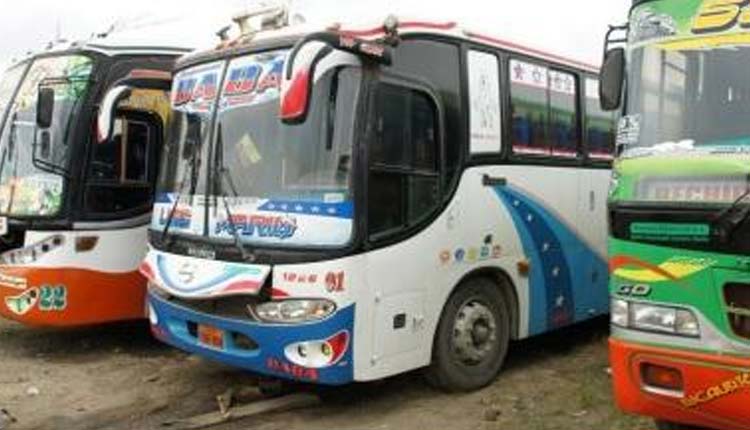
<point>686,100</point>
<point>29,187</point>
<point>8,86</point>
<point>270,183</point>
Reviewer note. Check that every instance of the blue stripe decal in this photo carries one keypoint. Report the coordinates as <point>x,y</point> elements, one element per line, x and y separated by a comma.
<point>330,210</point>
<point>567,279</point>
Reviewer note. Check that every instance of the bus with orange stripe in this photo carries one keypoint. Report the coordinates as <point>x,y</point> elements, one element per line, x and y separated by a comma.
<point>76,191</point>
<point>679,206</point>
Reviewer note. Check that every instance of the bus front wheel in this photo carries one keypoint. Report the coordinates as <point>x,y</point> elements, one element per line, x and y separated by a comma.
<point>472,337</point>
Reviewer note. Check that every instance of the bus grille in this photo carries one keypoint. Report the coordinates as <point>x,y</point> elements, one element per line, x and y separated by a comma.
<point>737,298</point>
<point>232,307</point>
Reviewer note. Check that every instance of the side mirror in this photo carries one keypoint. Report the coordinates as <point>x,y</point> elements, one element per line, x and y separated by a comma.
<point>45,107</point>
<point>105,120</point>
<point>298,80</point>
<point>303,60</point>
<point>612,79</point>
<point>137,78</point>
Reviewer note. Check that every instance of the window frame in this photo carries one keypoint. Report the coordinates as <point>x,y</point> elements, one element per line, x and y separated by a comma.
<point>407,228</point>
<point>153,121</point>
<point>602,163</point>
<point>543,159</point>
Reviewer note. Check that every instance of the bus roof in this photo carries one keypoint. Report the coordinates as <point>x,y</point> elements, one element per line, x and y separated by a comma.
<point>405,27</point>
<point>170,36</point>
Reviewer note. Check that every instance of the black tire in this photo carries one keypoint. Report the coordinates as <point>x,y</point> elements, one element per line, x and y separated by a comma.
<point>450,371</point>
<point>668,425</point>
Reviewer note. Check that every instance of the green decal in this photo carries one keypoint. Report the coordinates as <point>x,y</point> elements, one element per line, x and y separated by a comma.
<point>692,24</point>
<point>53,298</point>
<point>22,303</point>
<point>669,232</point>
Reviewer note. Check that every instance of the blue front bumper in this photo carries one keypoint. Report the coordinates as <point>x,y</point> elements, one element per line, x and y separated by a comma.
<point>176,326</point>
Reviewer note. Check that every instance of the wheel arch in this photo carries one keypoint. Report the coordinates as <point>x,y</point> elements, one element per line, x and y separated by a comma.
<point>504,282</point>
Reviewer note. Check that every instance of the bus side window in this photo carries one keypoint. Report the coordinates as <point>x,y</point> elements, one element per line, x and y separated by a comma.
<point>124,158</point>
<point>564,131</point>
<point>122,169</point>
<point>600,125</point>
<point>404,179</point>
<point>529,108</point>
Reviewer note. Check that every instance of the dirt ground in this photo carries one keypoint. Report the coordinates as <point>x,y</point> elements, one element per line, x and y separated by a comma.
<point>118,377</point>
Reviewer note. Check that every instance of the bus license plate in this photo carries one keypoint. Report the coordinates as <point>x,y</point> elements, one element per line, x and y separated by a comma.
<point>210,336</point>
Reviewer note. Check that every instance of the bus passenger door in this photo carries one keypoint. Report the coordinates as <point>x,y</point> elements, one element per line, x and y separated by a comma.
<point>404,193</point>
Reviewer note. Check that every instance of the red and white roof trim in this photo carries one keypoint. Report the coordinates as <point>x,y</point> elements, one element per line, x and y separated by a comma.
<point>452,29</point>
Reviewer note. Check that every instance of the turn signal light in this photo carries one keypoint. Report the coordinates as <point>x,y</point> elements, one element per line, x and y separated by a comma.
<point>86,243</point>
<point>662,377</point>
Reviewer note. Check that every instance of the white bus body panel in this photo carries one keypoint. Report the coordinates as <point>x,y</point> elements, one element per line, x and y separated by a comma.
<point>414,277</point>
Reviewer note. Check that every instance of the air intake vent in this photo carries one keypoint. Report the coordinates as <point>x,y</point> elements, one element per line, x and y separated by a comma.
<point>737,298</point>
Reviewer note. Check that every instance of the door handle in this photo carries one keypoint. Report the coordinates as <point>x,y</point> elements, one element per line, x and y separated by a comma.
<point>592,201</point>
<point>494,181</point>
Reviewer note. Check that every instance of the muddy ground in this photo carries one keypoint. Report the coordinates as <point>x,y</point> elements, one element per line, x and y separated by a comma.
<point>118,377</point>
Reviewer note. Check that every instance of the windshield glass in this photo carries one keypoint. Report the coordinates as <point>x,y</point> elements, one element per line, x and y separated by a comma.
<point>30,157</point>
<point>283,185</point>
<point>680,100</point>
<point>193,95</point>
<point>8,86</point>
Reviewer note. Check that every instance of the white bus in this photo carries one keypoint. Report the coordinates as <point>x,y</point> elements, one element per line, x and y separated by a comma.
<point>338,206</point>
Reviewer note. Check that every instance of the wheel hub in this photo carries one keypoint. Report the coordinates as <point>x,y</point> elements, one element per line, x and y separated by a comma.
<point>474,332</point>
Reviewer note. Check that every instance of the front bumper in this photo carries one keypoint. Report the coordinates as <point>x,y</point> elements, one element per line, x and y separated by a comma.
<point>176,325</point>
<point>70,297</point>
<point>716,393</point>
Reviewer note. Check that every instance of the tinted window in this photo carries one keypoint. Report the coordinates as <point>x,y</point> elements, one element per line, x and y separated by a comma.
<point>124,158</point>
<point>529,108</point>
<point>600,125</point>
<point>544,110</point>
<point>392,123</point>
<point>404,178</point>
<point>122,169</point>
<point>563,115</point>
<point>439,63</point>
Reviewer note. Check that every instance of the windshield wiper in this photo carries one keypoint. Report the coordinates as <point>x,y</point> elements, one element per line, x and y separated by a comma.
<point>224,174</point>
<point>729,219</point>
<point>192,162</point>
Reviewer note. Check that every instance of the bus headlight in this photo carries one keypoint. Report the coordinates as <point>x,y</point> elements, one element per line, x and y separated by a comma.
<point>619,312</point>
<point>293,310</point>
<point>654,318</point>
